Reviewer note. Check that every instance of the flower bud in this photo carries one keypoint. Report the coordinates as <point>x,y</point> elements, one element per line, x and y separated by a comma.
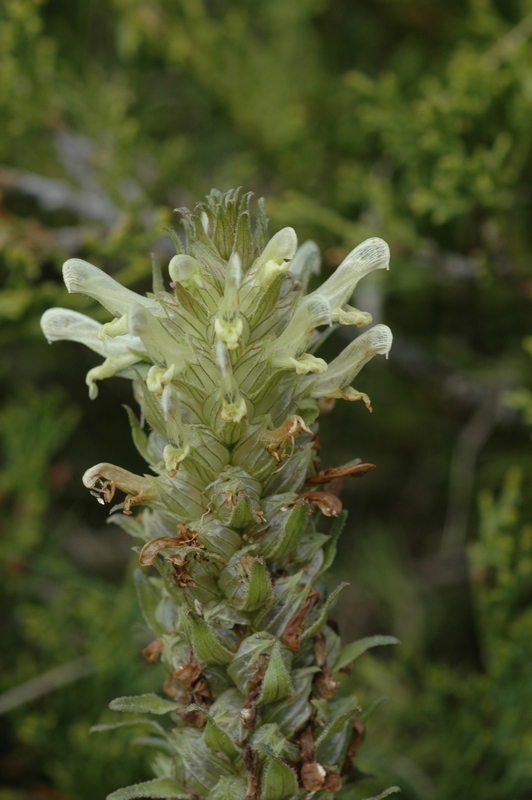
<point>85,278</point>
<point>276,256</point>
<point>187,271</point>
<point>228,323</point>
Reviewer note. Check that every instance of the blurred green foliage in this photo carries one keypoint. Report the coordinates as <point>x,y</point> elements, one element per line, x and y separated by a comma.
<point>406,119</point>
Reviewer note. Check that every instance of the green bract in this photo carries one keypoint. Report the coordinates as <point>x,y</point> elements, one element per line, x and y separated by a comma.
<point>222,371</point>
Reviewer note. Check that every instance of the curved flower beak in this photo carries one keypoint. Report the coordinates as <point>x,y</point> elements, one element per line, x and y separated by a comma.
<point>84,278</point>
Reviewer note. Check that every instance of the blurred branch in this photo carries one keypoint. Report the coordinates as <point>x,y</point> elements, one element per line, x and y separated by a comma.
<point>462,476</point>
<point>45,683</point>
<point>53,194</point>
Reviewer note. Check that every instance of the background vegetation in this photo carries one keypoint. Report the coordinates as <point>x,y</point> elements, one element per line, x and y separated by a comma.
<point>406,119</point>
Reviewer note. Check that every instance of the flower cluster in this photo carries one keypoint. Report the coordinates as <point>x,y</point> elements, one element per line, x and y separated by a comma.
<point>223,367</point>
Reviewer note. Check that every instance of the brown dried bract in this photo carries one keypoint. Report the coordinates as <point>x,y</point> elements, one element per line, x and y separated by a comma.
<point>326,684</point>
<point>312,774</point>
<point>333,781</point>
<point>192,793</point>
<point>324,680</point>
<point>251,763</point>
<point>249,710</point>
<point>327,475</point>
<point>180,574</point>
<point>189,673</point>
<point>151,549</point>
<point>186,537</point>
<point>169,687</point>
<point>328,503</point>
<point>152,652</point>
<point>360,730</point>
<point>293,627</point>
<point>192,717</point>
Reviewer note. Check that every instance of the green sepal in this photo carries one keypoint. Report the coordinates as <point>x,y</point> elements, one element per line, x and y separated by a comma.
<point>213,735</point>
<point>290,716</point>
<point>286,530</point>
<point>262,306</point>
<point>276,683</point>
<point>195,312</point>
<point>278,780</point>
<point>180,496</point>
<point>355,649</point>
<point>226,711</point>
<point>243,243</point>
<point>208,455</point>
<point>219,539</point>
<point>307,548</point>
<point>324,612</point>
<point>244,665</point>
<point>200,767</point>
<point>287,599</point>
<point>291,474</point>
<point>269,739</point>
<point>233,788</point>
<point>243,514</point>
<point>247,591</point>
<point>206,646</point>
<point>143,704</point>
<point>152,409</point>
<point>158,788</point>
<point>148,600</point>
<point>250,452</point>
<point>140,440</point>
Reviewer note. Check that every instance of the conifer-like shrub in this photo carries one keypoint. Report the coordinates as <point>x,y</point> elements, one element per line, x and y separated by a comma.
<point>234,535</point>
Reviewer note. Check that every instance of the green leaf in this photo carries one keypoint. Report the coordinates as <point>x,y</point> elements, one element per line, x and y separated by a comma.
<point>160,787</point>
<point>385,793</point>
<point>143,703</point>
<point>140,440</point>
<point>128,723</point>
<point>148,600</point>
<point>214,736</point>
<point>207,648</point>
<point>320,622</point>
<point>355,649</point>
<point>260,587</point>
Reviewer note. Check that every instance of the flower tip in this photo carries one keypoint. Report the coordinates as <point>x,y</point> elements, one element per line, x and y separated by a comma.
<point>76,273</point>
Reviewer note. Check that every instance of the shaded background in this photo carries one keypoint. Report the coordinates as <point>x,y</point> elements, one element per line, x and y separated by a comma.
<point>404,119</point>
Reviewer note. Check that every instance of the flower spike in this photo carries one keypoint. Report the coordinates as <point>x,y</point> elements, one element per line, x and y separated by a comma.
<point>228,394</point>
